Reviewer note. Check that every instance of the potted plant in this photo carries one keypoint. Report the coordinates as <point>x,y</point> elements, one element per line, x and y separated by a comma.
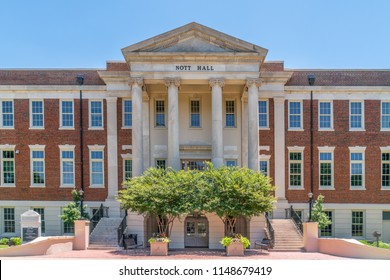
<point>159,245</point>
<point>235,245</point>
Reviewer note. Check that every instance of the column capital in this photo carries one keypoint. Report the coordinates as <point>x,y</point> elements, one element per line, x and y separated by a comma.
<point>253,82</point>
<point>215,82</point>
<point>111,99</point>
<point>136,81</point>
<point>172,82</point>
<point>279,99</point>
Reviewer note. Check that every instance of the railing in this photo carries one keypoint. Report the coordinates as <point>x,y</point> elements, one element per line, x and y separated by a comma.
<point>270,231</point>
<point>122,228</point>
<point>100,213</point>
<point>296,219</point>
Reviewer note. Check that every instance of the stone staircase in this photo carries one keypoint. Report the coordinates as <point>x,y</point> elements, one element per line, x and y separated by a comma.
<point>105,235</point>
<point>287,237</point>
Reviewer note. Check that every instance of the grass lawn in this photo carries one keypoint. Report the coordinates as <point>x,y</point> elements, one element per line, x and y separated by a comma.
<point>3,246</point>
<point>381,244</point>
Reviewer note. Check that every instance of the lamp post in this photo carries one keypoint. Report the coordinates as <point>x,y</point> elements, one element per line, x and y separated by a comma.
<point>310,195</point>
<point>80,82</point>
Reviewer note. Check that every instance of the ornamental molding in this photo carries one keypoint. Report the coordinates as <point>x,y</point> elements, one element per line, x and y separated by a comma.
<point>172,82</point>
<point>215,82</point>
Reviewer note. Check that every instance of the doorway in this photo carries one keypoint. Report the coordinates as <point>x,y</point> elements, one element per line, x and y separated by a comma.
<point>196,233</point>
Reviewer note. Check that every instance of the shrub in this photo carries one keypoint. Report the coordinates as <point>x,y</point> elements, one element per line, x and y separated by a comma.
<point>16,241</point>
<point>4,241</point>
<point>226,241</point>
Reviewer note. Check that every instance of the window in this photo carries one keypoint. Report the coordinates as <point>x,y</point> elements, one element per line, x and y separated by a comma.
<point>68,228</point>
<point>357,168</point>
<point>67,166</point>
<point>67,114</point>
<point>41,211</point>
<point>37,167</point>
<point>263,113</point>
<point>385,115</point>
<point>7,114</point>
<point>326,167</point>
<point>127,169</point>
<point>195,113</point>
<point>127,113</point>
<point>230,115</point>
<point>231,162</point>
<point>9,220</point>
<point>36,114</point>
<point>7,168</point>
<point>96,167</point>
<point>161,163</point>
<point>160,113</point>
<point>296,169</point>
<point>264,164</point>
<point>356,119</point>
<point>357,223</point>
<point>96,114</point>
<point>386,170</point>
<point>328,230</point>
<point>325,118</point>
<point>295,115</point>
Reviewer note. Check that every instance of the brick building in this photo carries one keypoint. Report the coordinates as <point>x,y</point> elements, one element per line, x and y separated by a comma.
<point>183,97</point>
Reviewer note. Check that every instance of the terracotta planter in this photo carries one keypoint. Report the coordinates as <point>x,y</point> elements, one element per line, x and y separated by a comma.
<point>235,249</point>
<point>159,249</point>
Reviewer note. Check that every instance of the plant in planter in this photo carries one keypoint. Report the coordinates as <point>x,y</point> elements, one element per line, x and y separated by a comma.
<point>235,244</point>
<point>159,245</point>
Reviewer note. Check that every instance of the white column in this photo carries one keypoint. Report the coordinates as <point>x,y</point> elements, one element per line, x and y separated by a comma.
<point>217,124</point>
<point>173,123</point>
<point>279,134</point>
<point>145,130</point>
<point>137,134</point>
<point>112,146</point>
<point>253,126</point>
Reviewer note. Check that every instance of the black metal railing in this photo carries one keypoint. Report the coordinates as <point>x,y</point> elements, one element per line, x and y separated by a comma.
<point>296,219</point>
<point>122,228</point>
<point>99,213</point>
<point>271,231</point>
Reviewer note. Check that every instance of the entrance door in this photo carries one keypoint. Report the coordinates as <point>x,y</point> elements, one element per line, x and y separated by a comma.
<point>196,232</point>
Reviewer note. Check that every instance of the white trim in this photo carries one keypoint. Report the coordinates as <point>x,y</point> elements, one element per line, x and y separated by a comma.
<point>362,128</point>
<point>126,156</point>
<point>363,236</point>
<point>60,118</point>
<point>39,148</point>
<point>94,148</point>
<point>265,158</point>
<point>381,115</point>
<point>331,128</point>
<point>258,117</point>
<point>123,113</point>
<point>362,151</point>
<point>127,147</point>
<point>384,150</point>
<point>124,167</point>
<point>7,148</point>
<point>1,114</point>
<point>235,112</point>
<point>190,112</point>
<point>64,148</point>
<point>31,114</point>
<point>90,127</point>
<point>264,148</point>
<point>301,127</point>
<point>296,150</point>
<point>326,150</point>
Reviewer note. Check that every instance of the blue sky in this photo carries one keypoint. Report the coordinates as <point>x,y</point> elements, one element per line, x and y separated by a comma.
<point>85,34</point>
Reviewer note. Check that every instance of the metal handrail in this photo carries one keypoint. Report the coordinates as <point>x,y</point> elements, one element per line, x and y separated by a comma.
<point>100,213</point>
<point>296,219</point>
<point>121,229</point>
<point>270,230</point>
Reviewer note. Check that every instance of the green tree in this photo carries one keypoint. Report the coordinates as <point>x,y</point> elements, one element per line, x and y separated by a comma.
<point>318,213</point>
<point>72,211</point>
<point>231,192</point>
<point>165,194</point>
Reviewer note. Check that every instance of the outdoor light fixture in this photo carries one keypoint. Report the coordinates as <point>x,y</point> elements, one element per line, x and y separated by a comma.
<point>310,195</point>
<point>80,82</point>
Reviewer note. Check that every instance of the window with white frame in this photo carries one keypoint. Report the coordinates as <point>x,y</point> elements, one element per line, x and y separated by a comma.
<point>8,167</point>
<point>263,113</point>
<point>41,211</point>
<point>161,163</point>
<point>385,115</point>
<point>195,113</point>
<point>7,114</point>
<point>325,115</point>
<point>328,230</point>
<point>230,113</point>
<point>295,115</point>
<point>127,169</point>
<point>159,113</point>
<point>356,115</point>
<point>357,168</point>
<point>67,166</point>
<point>96,163</point>
<point>357,223</point>
<point>326,162</point>
<point>96,114</point>
<point>295,168</point>
<point>37,166</point>
<point>67,114</point>
<point>127,113</point>
<point>385,169</point>
<point>9,220</point>
<point>264,164</point>
<point>36,114</point>
<point>231,162</point>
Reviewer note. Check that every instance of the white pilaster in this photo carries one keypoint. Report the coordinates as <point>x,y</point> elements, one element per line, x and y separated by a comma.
<point>145,130</point>
<point>279,134</point>
<point>217,124</point>
<point>137,129</point>
<point>253,126</point>
<point>173,123</point>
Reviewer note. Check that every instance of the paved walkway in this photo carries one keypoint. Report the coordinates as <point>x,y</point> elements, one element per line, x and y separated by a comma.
<point>187,254</point>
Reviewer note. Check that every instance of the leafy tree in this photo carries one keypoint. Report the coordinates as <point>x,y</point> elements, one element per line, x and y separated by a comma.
<point>165,194</point>
<point>71,211</point>
<point>231,192</point>
<point>318,213</point>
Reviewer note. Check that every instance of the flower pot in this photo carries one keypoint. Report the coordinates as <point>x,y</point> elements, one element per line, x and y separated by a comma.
<point>159,248</point>
<point>235,249</point>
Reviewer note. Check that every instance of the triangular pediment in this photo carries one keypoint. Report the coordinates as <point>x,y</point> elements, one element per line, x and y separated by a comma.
<point>194,38</point>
